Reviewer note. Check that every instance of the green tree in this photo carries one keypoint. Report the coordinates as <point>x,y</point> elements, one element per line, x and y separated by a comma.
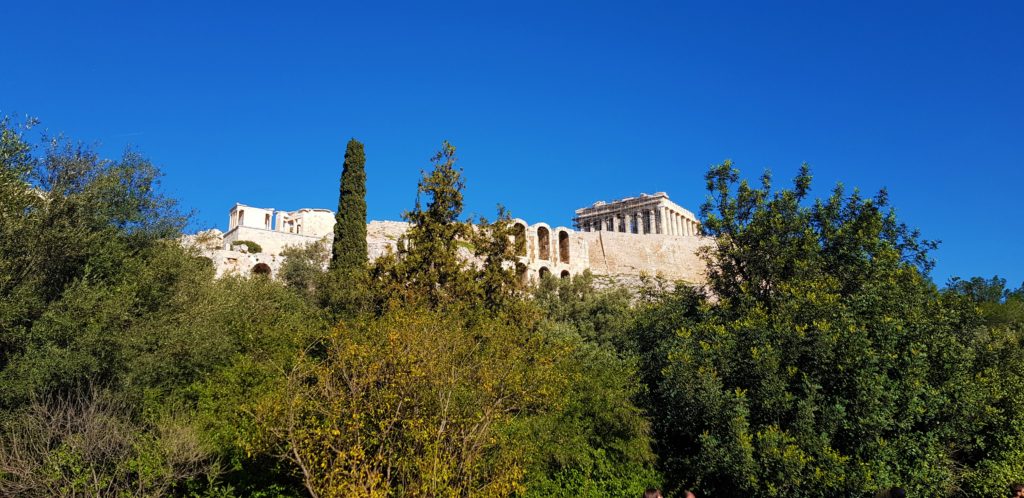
<point>998,304</point>
<point>414,403</point>
<point>430,247</point>
<point>303,266</point>
<point>78,232</point>
<point>349,249</point>
<point>495,247</point>
<point>427,267</point>
<point>97,292</point>
<point>828,363</point>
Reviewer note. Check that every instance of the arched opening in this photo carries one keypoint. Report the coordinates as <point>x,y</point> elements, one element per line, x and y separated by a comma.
<point>519,239</point>
<point>565,274</point>
<point>261,269</point>
<point>521,273</point>
<point>563,246</point>
<point>544,272</point>
<point>543,243</point>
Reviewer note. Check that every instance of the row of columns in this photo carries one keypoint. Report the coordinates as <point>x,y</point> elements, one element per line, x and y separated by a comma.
<point>679,224</point>
<point>662,221</point>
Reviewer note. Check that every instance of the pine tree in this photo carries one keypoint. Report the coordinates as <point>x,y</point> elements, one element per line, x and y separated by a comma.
<point>431,245</point>
<point>349,249</point>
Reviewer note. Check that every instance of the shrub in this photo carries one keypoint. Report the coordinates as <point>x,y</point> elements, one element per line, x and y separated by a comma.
<point>250,245</point>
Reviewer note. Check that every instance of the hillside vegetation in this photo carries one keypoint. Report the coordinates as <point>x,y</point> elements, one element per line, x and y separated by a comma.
<point>821,360</point>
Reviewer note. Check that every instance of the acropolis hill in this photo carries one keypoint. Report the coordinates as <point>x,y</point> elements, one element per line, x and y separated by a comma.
<point>622,240</point>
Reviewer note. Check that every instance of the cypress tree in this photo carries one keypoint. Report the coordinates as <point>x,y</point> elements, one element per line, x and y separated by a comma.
<point>349,249</point>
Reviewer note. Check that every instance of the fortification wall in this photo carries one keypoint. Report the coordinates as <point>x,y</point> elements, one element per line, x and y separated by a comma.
<point>619,256</point>
<point>272,241</point>
<point>674,257</point>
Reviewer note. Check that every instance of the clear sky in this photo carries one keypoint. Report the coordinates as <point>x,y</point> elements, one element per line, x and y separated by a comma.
<point>552,105</point>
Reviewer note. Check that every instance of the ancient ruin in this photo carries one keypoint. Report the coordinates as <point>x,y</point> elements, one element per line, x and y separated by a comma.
<point>619,240</point>
<point>646,214</point>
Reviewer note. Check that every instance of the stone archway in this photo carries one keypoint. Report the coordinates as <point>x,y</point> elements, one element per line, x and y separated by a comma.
<point>565,274</point>
<point>261,269</point>
<point>563,246</point>
<point>544,272</point>
<point>543,243</point>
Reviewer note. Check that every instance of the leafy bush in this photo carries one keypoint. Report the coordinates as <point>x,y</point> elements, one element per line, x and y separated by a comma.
<point>250,246</point>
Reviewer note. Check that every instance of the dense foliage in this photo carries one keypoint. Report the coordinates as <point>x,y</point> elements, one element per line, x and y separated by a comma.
<point>827,362</point>
<point>820,360</point>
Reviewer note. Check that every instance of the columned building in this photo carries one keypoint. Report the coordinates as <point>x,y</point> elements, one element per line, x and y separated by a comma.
<point>647,214</point>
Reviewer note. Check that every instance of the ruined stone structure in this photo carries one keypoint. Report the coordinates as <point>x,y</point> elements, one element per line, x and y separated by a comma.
<point>619,240</point>
<point>647,214</point>
<point>290,228</point>
<point>546,251</point>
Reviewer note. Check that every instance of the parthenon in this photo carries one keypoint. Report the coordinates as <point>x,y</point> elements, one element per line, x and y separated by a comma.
<point>647,214</point>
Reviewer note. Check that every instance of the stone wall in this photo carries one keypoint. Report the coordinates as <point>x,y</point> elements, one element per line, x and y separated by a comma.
<point>382,237</point>
<point>272,241</point>
<point>623,254</point>
<point>306,221</point>
<point>557,251</point>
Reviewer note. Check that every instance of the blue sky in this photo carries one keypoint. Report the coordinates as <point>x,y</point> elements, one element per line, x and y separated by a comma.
<point>552,105</point>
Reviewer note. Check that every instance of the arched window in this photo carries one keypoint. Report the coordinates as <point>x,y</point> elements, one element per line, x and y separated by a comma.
<point>519,239</point>
<point>563,246</point>
<point>543,243</point>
